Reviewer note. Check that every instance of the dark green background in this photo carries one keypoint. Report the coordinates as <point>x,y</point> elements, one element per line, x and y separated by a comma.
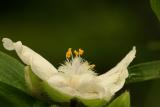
<point>105,29</point>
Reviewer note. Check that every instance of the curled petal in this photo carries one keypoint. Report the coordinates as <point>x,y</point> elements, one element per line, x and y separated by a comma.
<point>115,78</point>
<point>40,66</point>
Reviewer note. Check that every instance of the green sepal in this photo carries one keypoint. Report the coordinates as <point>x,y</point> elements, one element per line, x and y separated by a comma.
<point>121,101</point>
<point>93,102</point>
<point>33,82</point>
<point>59,96</point>
<point>55,94</point>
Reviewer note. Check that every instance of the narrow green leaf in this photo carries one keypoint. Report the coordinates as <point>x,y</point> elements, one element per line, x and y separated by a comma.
<point>12,72</point>
<point>144,71</point>
<point>122,101</point>
<point>18,98</point>
<point>155,4</point>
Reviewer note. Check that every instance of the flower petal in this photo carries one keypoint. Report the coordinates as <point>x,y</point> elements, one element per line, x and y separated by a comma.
<point>114,79</point>
<point>40,66</point>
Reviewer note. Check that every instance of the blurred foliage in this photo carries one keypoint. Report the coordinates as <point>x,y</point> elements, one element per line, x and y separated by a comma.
<point>156,7</point>
<point>105,29</point>
<point>144,71</point>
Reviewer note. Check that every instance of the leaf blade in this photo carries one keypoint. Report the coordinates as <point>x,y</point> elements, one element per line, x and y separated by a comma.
<point>12,72</point>
<point>144,71</point>
<point>155,4</point>
<point>18,98</point>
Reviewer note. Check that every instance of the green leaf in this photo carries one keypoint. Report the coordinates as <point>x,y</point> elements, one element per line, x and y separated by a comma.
<point>144,71</point>
<point>12,72</point>
<point>17,98</point>
<point>155,4</point>
<point>122,101</point>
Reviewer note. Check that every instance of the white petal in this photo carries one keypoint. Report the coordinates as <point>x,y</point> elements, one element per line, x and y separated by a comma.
<point>58,80</point>
<point>115,78</point>
<point>40,66</point>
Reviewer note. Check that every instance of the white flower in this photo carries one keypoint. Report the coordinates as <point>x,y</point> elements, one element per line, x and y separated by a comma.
<point>76,77</point>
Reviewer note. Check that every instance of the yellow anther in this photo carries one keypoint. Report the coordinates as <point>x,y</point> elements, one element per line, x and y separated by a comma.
<point>76,53</point>
<point>69,53</point>
<point>80,51</point>
<point>92,66</point>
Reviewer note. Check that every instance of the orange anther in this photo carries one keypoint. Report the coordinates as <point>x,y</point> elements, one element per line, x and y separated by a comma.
<point>69,53</point>
<point>81,51</point>
<point>92,66</point>
<point>76,53</point>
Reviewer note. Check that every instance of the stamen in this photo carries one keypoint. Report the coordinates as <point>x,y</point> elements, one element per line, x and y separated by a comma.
<point>80,51</point>
<point>69,53</point>
<point>92,66</point>
<point>76,53</point>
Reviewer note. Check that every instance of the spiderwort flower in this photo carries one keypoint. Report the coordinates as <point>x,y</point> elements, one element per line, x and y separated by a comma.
<point>76,77</point>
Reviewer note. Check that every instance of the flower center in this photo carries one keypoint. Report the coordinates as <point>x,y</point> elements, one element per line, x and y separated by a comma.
<point>79,53</point>
<point>74,64</point>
